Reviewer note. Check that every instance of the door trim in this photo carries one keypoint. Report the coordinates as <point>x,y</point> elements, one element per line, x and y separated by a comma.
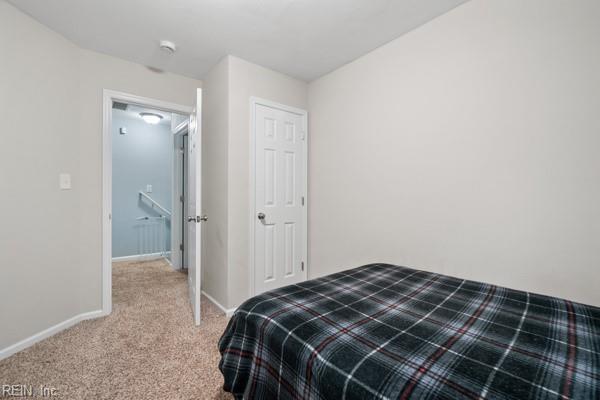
<point>108,96</point>
<point>177,224</point>
<point>256,101</point>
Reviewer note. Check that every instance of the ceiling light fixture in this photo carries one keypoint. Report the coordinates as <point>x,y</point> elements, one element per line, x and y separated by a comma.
<point>151,118</point>
<point>167,46</point>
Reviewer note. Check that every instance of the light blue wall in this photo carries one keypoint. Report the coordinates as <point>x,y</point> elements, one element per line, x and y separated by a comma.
<point>140,157</point>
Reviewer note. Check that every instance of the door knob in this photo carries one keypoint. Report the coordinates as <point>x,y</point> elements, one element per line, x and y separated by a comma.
<point>261,217</point>
<point>198,218</point>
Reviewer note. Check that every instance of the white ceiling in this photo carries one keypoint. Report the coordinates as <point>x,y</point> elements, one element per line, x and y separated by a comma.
<point>302,38</point>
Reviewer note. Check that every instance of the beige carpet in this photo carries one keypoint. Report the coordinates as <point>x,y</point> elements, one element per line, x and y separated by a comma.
<point>147,348</point>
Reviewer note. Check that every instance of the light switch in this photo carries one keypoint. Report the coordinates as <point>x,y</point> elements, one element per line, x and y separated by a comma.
<point>64,181</point>
<point>148,188</point>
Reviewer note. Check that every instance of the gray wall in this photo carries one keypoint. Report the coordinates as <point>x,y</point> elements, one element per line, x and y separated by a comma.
<point>142,156</point>
<point>469,146</point>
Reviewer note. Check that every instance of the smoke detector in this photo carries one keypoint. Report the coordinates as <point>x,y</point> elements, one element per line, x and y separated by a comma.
<point>167,46</point>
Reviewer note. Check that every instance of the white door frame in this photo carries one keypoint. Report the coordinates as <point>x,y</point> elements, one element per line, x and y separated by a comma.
<point>177,213</point>
<point>109,96</point>
<point>256,101</point>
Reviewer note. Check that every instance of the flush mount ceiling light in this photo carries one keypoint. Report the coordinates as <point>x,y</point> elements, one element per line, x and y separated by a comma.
<point>167,46</point>
<point>151,118</point>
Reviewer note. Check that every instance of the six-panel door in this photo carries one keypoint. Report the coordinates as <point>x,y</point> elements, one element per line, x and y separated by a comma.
<point>280,181</point>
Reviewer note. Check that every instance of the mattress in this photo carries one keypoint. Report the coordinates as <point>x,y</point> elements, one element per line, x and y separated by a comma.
<point>382,331</point>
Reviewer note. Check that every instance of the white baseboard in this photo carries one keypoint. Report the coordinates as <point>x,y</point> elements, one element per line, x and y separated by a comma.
<point>142,257</point>
<point>46,333</point>
<point>228,311</point>
<point>168,260</point>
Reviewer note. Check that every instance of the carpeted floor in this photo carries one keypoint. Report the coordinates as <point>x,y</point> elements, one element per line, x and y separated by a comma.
<point>148,348</point>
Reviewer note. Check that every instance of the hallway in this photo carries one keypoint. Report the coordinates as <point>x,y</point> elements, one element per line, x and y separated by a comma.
<point>147,348</point>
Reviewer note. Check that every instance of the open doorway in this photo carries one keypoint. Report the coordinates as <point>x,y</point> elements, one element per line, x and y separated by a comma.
<point>179,236</point>
<point>151,190</point>
<point>144,185</point>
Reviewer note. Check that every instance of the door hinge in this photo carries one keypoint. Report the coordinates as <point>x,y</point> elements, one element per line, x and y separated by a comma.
<point>181,198</point>
<point>181,247</point>
<point>302,200</point>
<point>302,265</point>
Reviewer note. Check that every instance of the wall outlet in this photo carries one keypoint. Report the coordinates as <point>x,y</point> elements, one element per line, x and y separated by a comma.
<point>148,188</point>
<point>64,181</point>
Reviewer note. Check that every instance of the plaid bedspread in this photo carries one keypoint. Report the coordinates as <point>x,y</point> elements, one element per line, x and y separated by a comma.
<point>383,331</point>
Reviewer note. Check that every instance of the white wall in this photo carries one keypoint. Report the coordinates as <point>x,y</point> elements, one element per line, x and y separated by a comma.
<point>226,139</point>
<point>215,142</point>
<point>39,261</point>
<point>247,80</point>
<point>469,147</point>
<point>100,72</point>
<point>50,240</point>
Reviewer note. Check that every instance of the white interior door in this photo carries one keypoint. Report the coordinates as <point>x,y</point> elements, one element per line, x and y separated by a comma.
<point>280,232</point>
<point>194,197</point>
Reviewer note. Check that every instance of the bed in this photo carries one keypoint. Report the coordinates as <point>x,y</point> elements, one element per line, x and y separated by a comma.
<point>387,332</point>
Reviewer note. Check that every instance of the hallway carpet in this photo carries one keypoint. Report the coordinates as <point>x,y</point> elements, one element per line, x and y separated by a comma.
<point>147,348</point>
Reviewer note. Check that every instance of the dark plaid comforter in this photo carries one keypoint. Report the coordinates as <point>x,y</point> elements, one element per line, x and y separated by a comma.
<point>383,331</point>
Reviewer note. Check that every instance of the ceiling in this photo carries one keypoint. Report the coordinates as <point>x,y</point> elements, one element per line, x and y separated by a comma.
<point>301,38</point>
